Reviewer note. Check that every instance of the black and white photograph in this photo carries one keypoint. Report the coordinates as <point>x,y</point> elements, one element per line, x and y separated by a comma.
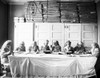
<point>49,38</point>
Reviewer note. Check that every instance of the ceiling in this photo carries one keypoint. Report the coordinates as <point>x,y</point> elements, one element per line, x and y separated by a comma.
<point>23,1</point>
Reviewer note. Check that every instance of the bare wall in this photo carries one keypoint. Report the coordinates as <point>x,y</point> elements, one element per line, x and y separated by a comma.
<point>98,14</point>
<point>14,11</point>
<point>3,22</point>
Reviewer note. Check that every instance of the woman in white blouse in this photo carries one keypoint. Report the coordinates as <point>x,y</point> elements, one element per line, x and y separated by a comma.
<point>34,47</point>
<point>6,51</point>
<point>21,47</point>
<point>95,50</point>
<point>68,49</point>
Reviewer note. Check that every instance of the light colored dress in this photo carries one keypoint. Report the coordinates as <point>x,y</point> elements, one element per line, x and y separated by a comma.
<point>68,50</point>
<point>34,48</point>
<point>56,48</point>
<point>95,51</point>
<point>5,51</point>
<point>21,48</point>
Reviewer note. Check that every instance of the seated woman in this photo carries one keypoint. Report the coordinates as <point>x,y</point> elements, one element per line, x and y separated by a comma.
<point>80,49</point>
<point>34,47</point>
<point>46,48</point>
<point>21,47</point>
<point>68,49</point>
<point>46,45</point>
<point>56,47</point>
<point>6,51</point>
<point>95,50</point>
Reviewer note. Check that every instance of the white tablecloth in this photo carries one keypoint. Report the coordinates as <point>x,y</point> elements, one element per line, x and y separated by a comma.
<point>51,65</point>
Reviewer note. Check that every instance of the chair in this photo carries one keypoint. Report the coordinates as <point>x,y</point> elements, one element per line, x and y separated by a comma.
<point>5,70</point>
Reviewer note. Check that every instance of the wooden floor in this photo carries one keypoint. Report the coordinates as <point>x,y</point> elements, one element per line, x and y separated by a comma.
<point>11,77</point>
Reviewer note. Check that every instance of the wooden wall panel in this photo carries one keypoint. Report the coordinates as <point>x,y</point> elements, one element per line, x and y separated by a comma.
<point>87,12</point>
<point>67,12</point>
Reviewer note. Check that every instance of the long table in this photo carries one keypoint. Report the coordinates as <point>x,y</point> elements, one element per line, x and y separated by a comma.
<point>48,65</point>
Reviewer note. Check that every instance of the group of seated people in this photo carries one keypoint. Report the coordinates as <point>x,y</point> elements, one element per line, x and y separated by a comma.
<point>68,49</point>
<point>45,48</point>
<point>35,48</point>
